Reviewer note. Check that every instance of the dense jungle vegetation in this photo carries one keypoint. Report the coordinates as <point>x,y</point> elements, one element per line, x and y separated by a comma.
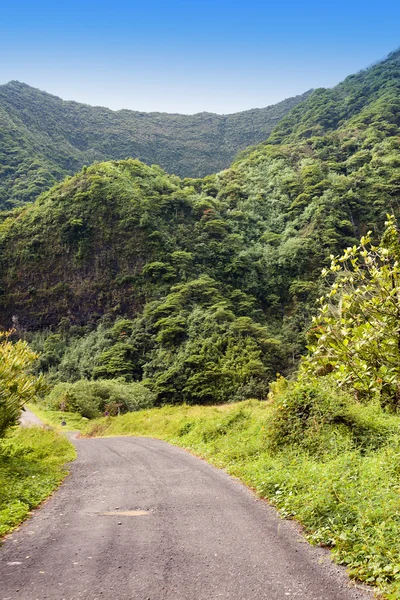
<point>43,139</point>
<point>137,289</point>
<point>202,289</point>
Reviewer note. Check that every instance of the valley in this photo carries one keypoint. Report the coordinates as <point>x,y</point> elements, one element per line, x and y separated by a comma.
<point>229,284</point>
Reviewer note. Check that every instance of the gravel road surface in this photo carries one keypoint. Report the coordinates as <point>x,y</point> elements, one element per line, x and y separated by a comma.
<point>139,519</point>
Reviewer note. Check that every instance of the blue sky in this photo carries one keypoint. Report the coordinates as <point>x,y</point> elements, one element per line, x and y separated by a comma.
<point>191,55</point>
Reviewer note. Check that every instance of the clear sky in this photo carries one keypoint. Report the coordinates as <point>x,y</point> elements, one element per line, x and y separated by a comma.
<point>191,55</point>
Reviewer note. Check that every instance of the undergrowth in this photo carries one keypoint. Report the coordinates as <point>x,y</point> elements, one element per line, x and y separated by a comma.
<point>338,474</point>
<point>31,466</point>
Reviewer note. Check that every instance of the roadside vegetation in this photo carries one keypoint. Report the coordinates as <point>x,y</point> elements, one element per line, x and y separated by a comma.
<point>17,385</point>
<point>55,418</point>
<point>32,465</point>
<point>340,480</point>
<point>31,459</point>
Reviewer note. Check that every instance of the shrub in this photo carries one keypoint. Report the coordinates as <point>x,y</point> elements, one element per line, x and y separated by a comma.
<point>16,385</point>
<point>321,418</point>
<point>355,335</point>
<point>92,398</point>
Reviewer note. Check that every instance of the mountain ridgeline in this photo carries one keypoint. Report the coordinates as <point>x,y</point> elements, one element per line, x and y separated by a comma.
<point>44,138</point>
<point>203,288</point>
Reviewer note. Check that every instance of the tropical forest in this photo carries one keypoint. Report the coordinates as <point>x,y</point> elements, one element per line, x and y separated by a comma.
<point>228,284</point>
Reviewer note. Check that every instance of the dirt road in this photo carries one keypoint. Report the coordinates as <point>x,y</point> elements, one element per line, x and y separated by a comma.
<point>139,519</point>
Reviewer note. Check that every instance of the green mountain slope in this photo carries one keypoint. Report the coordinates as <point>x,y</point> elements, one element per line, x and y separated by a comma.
<point>370,96</point>
<point>43,139</point>
<point>217,276</point>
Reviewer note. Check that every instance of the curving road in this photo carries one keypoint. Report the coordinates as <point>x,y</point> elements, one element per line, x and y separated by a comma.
<point>139,519</point>
<point>29,418</point>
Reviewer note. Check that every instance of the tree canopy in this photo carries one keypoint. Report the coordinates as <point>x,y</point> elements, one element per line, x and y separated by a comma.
<point>44,138</point>
<point>218,277</point>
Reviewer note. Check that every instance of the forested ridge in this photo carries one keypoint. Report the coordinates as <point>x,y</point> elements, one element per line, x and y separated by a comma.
<point>215,278</point>
<point>44,138</point>
<point>125,289</point>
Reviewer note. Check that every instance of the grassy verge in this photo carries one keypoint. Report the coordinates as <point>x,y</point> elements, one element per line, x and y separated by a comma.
<point>346,494</point>
<point>74,421</point>
<point>32,464</point>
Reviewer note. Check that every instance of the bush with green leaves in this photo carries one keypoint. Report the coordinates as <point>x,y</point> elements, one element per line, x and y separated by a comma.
<point>356,335</point>
<point>92,398</point>
<point>17,385</point>
<point>317,417</point>
<point>70,353</point>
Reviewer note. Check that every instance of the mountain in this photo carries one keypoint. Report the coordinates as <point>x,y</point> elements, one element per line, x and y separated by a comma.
<point>216,278</point>
<point>44,138</point>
